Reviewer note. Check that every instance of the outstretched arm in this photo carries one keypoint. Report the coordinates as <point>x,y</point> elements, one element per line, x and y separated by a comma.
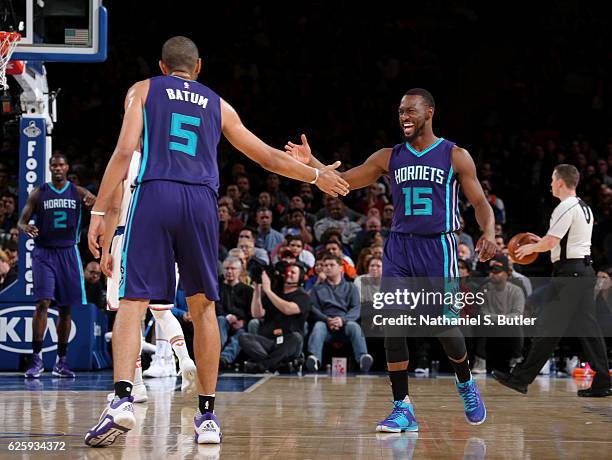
<point>358,177</point>
<point>369,171</point>
<point>464,167</point>
<point>275,160</point>
<point>548,243</point>
<point>26,215</point>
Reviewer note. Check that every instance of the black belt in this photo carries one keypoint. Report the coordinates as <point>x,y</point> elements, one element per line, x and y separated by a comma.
<point>586,260</point>
<point>120,230</point>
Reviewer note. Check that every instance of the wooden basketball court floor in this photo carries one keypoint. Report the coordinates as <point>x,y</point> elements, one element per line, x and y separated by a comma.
<point>310,417</point>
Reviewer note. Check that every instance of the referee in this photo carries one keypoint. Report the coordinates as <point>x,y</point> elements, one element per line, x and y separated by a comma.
<point>569,241</point>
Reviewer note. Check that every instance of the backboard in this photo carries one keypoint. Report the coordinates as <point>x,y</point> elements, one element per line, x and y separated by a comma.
<point>57,30</point>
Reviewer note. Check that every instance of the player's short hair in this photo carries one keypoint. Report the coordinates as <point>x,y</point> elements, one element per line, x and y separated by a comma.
<point>426,95</point>
<point>568,174</point>
<point>58,155</point>
<point>180,53</point>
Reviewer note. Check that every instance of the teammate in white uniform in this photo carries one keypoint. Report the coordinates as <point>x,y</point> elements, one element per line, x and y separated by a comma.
<point>168,329</point>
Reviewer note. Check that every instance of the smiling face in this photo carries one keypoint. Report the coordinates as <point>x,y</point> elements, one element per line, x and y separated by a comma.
<point>414,115</point>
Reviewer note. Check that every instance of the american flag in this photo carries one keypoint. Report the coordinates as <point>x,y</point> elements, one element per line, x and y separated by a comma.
<point>76,36</point>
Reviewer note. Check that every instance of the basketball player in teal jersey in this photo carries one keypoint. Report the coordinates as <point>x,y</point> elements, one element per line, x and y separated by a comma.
<point>425,174</point>
<point>56,264</point>
<point>173,218</point>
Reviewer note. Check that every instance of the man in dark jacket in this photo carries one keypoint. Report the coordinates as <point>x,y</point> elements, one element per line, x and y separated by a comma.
<point>233,310</point>
<point>336,308</point>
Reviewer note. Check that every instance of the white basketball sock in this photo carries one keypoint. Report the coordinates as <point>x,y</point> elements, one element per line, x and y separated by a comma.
<point>161,343</point>
<point>172,331</point>
<point>179,347</point>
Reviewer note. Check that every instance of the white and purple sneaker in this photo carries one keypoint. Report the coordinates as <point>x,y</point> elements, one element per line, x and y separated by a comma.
<point>117,419</point>
<point>207,428</point>
<point>61,369</point>
<point>35,368</point>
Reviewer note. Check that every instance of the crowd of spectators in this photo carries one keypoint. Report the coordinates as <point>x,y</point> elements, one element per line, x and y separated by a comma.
<point>520,103</point>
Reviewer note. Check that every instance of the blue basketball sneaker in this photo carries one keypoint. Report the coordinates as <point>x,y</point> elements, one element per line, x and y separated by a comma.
<point>61,369</point>
<point>400,419</point>
<point>475,411</point>
<point>35,368</point>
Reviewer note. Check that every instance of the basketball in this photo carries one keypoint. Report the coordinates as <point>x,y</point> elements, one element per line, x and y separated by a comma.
<point>517,241</point>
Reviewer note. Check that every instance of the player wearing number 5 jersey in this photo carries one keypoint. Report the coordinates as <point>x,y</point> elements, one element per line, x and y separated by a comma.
<point>173,217</point>
<point>425,172</point>
<point>57,270</point>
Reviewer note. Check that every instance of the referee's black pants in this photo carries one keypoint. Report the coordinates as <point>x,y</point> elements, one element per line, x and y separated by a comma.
<point>570,305</point>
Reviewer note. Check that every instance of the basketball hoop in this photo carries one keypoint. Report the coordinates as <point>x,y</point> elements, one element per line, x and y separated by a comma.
<point>8,42</point>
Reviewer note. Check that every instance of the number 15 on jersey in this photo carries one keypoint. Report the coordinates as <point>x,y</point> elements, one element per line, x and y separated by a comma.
<point>417,201</point>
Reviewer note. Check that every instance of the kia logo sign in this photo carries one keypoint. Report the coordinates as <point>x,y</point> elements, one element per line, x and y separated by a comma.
<point>16,329</point>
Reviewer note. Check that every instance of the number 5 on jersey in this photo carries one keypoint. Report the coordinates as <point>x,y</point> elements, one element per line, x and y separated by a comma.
<point>177,129</point>
<point>414,197</point>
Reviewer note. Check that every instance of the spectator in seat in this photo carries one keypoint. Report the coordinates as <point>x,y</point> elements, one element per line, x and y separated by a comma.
<point>337,219</point>
<point>273,188</point>
<point>10,211</point>
<point>374,198</point>
<point>233,311</point>
<point>464,237</point>
<point>363,260</point>
<point>387,216</point>
<point>368,284</point>
<point>229,227</point>
<point>336,308</point>
<point>297,226</point>
<point>284,310</point>
<point>7,274</point>
<point>499,209</point>
<point>249,234</point>
<point>315,275</point>
<point>94,286</point>
<point>267,238</point>
<point>297,202</point>
<point>346,263</point>
<point>502,298</point>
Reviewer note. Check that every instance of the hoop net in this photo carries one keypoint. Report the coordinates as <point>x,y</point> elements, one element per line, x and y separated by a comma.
<point>8,42</point>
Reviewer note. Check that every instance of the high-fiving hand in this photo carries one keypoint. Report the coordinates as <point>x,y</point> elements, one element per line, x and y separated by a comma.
<point>301,152</point>
<point>329,181</point>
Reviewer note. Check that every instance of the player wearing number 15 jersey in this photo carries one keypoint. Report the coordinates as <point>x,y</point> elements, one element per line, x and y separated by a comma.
<point>57,270</point>
<point>173,216</point>
<point>425,172</point>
